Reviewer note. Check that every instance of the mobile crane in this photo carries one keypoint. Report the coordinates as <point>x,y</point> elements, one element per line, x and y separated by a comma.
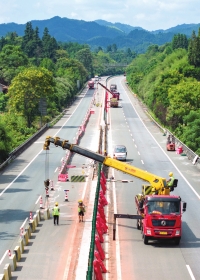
<point>159,213</point>
<point>114,93</point>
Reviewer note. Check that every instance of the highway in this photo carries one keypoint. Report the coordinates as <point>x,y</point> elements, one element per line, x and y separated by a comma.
<point>145,143</point>
<point>21,184</point>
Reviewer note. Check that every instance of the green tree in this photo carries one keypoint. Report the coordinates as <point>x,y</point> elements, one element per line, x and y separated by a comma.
<point>179,41</point>
<point>12,61</point>
<point>183,98</point>
<point>50,45</point>
<point>4,142</point>
<point>85,57</point>
<point>194,49</point>
<point>26,90</point>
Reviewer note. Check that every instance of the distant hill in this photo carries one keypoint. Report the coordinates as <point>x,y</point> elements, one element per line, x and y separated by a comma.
<point>102,33</point>
<point>120,26</point>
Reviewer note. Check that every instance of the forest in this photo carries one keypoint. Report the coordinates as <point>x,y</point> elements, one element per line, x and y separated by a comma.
<point>40,77</point>
<point>35,70</point>
<point>167,79</point>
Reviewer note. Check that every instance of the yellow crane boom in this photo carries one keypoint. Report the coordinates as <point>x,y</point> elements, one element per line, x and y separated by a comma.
<point>158,185</point>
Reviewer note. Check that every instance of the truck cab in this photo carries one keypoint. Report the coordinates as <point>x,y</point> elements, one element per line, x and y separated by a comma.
<point>161,217</point>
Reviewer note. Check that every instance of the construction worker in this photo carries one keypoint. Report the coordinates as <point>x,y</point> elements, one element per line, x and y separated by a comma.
<point>56,213</point>
<point>170,182</point>
<point>81,210</point>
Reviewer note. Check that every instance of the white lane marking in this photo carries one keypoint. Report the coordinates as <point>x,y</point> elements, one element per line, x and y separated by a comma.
<point>165,153</point>
<point>136,146</point>
<point>56,170</point>
<point>142,161</point>
<point>6,252</point>
<point>65,277</point>
<point>190,272</point>
<point>24,223</point>
<point>20,173</point>
<point>118,261</point>
<point>139,153</point>
<point>38,199</point>
<point>39,152</point>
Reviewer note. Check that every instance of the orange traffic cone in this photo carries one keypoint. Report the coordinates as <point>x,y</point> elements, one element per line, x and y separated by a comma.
<point>41,203</point>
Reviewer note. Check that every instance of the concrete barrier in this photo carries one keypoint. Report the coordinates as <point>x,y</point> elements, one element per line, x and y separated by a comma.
<point>17,253</point>
<point>13,262</point>
<point>21,245</point>
<point>35,218</point>
<point>2,276</point>
<point>28,230</point>
<point>7,271</point>
<point>32,225</point>
<point>25,238</point>
<point>46,214</point>
<point>38,215</point>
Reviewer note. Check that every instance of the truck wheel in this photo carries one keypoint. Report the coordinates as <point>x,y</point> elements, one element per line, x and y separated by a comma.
<point>146,240</point>
<point>177,241</point>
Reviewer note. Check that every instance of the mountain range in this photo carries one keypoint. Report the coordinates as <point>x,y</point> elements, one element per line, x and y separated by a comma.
<point>102,33</point>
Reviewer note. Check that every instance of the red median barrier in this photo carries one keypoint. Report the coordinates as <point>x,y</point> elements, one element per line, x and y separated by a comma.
<point>99,248</point>
<point>96,253</point>
<point>97,270</point>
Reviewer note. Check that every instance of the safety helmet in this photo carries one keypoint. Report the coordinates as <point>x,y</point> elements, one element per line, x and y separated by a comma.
<point>170,174</point>
<point>80,201</point>
<point>56,204</point>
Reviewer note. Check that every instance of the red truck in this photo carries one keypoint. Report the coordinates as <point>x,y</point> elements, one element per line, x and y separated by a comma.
<point>91,84</point>
<point>161,217</point>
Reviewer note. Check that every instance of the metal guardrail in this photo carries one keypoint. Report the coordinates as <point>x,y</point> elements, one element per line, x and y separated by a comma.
<point>24,146</point>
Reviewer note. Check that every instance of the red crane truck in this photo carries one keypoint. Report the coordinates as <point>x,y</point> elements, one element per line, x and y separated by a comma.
<point>159,214</point>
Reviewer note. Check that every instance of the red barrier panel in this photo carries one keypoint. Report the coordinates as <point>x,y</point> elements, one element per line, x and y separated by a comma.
<point>101,212</point>
<point>96,253</point>
<point>63,177</point>
<point>100,233</point>
<point>99,248</point>
<point>97,270</point>
<point>104,200</point>
<point>103,176</point>
<point>102,223</point>
<point>103,186</point>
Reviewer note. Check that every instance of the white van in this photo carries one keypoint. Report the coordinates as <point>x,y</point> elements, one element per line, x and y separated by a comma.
<point>120,152</point>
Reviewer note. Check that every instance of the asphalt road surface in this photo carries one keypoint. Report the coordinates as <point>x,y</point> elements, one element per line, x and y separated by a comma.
<point>145,143</point>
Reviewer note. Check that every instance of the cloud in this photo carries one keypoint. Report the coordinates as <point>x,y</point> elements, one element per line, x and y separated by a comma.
<point>149,14</point>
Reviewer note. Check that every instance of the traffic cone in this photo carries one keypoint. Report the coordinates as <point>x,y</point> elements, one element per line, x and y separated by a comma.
<point>41,203</point>
<point>47,193</point>
<point>66,195</point>
<point>52,187</point>
<point>9,253</point>
<point>31,216</point>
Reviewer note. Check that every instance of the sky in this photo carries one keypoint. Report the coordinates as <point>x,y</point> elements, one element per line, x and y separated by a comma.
<point>148,14</point>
